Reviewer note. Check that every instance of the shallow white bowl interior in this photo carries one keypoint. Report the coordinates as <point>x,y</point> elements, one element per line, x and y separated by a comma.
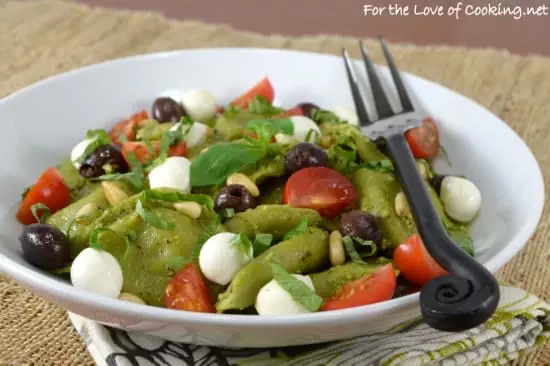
<point>41,123</point>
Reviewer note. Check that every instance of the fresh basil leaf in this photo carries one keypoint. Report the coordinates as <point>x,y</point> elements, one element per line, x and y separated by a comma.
<point>367,244</point>
<point>352,252</point>
<point>98,133</point>
<point>227,213</point>
<point>464,242</point>
<point>322,116</point>
<point>151,218</point>
<point>283,125</point>
<point>94,237</point>
<point>132,178</point>
<point>384,165</point>
<point>299,291</point>
<point>300,229</point>
<point>243,243</point>
<point>99,138</point>
<point>261,243</point>
<point>174,196</point>
<point>312,136</point>
<point>41,212</point>
<point>220,161</point>
<point>25,192</point>
<point>260,105</point>
<point>171,138</point>
<point>343,156</point>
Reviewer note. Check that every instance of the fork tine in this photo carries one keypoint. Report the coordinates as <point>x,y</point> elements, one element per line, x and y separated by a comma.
<point>383,107</point>
<point>401,90</point>
<point>356,94</point>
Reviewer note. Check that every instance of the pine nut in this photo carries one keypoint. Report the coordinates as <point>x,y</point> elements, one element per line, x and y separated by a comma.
<point>189,208</point>
<point>113,193</point>
<point>243,180</point>
<point>86,210</point>
<point>326,141</point>
<point>401,205</point>
<point>126,296</point>
<point>336,249</point>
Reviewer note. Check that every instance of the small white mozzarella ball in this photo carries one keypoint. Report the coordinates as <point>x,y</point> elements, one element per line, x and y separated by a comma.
<point>174,94</point>
<point>97,271</point>
<point>174,172</point>
<point>79,149</point>
<point>220,259</point>
<point>199,104</point>
<point>197,133</point>
<point>461,198</point>
<point>272,299</point>
<point>346,114</point>
<point>302,126</point>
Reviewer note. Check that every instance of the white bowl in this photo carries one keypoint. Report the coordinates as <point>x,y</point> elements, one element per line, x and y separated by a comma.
<point>42,122</point>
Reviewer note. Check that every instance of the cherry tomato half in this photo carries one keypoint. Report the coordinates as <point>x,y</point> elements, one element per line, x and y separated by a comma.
<point>143,154</point>
<point>187,291</point>
<point>322,189</point>
<point>376,287</point>
<point>128,127</point>
<point>50,189</point>
<point>424,140</point>
<point>414,261</point>
<point>263,88</point>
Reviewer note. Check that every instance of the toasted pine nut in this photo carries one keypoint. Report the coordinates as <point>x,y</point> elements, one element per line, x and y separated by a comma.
<point>281,138</point>
<point>326,141</point>
<point>189,208</point>
<point>336,249</point>
<point>86,210</point>
<point>401,205</point>
<point>113,193</point>
<point>126,296</point>
<point>238,178</point>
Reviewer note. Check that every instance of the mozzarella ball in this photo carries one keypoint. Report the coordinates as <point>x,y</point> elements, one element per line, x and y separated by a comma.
<point>272,299</point>
<point>97,271</point>
<point>197,134</point>
<point>200,105</point>
<point>79,149</point>
<point>346,114</point>
<point>220,260</point>
<point>174,172</point>
<point>461,198</point>
<point>302,126</point>
<point>174,94</point>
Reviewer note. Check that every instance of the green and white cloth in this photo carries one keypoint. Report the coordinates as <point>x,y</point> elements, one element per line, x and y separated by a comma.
<point>521,323</point>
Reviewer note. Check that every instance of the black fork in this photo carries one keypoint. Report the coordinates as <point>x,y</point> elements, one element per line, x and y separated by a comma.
<point>469,294</point>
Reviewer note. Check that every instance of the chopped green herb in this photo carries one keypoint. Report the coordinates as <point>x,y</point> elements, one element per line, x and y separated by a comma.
<point>175,196</point>
<point>273,127</point>
<point>151,218</point>
<point>367,244</point>
<point>41,212</point>
<point>227,213</point>
<point>243,243</point>
<point>312,136</point>
<point>352,252</point>
<point>25,192</point>
<point>322,116</point>
<point>94,237</point>
<point>261,243</point>
<point>343,156</point>
<point>260,105</point>
<point>384,165</point>
<point>99,138</point>
<point>220,161</point>
<point>170,138</point>
<point>299,291</point>
<point>443,152</point>
<point>300,229</point>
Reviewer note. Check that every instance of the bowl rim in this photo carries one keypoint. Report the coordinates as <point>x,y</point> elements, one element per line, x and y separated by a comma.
<point>49,285</point>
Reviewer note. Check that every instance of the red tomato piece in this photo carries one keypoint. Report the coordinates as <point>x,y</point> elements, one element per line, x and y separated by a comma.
<point>50,189</point>
<point>128,127</point>
<point>187,291</point>
<point>414,261</point>
<point>140,150</point>
<point>424,140</point>
<point>220,109</point>
<point>376,287</point>
<point>263,88</point>
<point>179,149</point>
<point>296,111</point>
<point>322,189</point>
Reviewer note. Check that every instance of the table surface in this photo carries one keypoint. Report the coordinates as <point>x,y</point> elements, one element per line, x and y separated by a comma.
<point>499,29</point>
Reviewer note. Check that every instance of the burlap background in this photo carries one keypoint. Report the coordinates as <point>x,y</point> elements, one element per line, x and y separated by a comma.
<point>43,38</point>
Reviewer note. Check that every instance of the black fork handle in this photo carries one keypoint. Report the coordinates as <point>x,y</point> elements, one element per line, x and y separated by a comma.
<point>469,294</point>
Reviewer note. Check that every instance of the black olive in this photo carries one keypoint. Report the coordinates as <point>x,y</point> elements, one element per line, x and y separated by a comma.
<point>305,155</point>
<point>106,159</point>
<point>307,108</point>
<point>435,181</point>
<point>45,246</point>
<point>404,287</point>
<point>362,225</point>
<point>167,110</point>
<point>234,196</point>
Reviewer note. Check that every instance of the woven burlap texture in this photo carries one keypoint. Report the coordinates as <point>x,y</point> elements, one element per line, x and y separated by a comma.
<point>40,39</point>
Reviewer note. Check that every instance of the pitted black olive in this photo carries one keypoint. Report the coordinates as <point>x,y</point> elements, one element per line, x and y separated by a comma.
<point>45,246</point>
<point>362,225</point>
<point>435,181</point>
<point>305,155</point>
<point>106,159</point>
<point>167,110</point>
<point>307,108</point>
<point>234,196</point>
